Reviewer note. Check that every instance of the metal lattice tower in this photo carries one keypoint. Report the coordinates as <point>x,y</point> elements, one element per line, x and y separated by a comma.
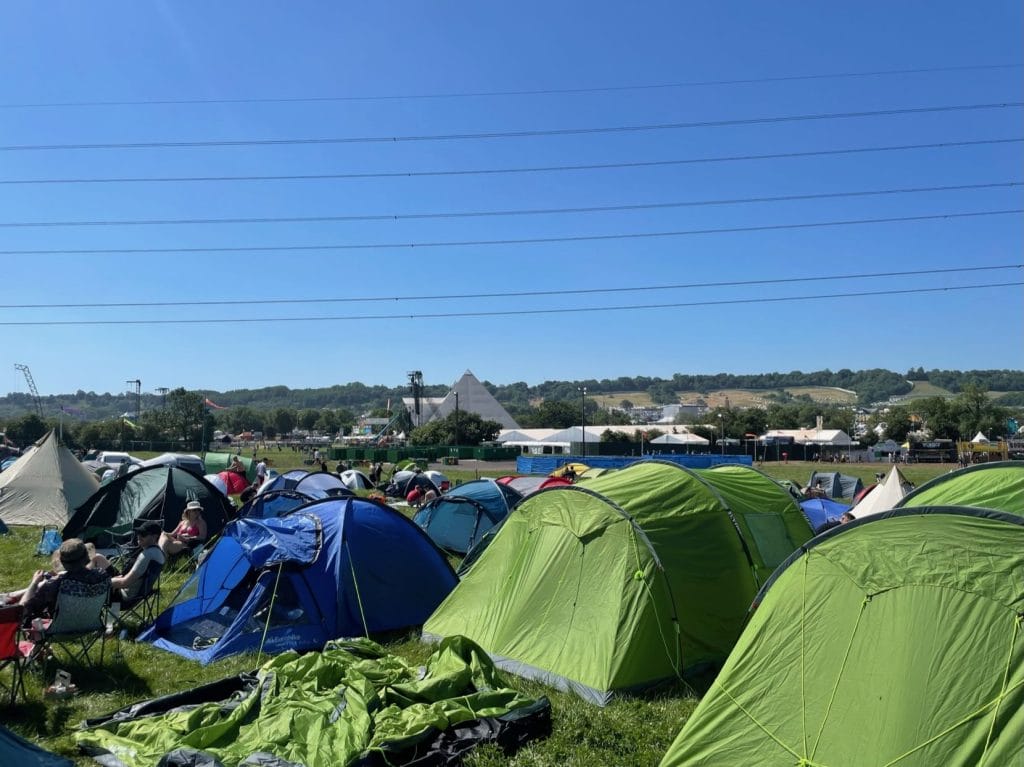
<point>31,387</point>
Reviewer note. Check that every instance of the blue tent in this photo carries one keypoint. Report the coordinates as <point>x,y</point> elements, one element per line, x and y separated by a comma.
<point>459,518</point>
<point>337,567</point>
<point>319,483</point>
<point>821,511</point>
<point>277,503</point>
<point>17,750</point>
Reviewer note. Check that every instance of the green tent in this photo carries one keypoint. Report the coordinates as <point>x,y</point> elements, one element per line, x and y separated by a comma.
<point>218,462</point>
<point>998,486</point>
<point>891,641</point>
<point>626,581</point>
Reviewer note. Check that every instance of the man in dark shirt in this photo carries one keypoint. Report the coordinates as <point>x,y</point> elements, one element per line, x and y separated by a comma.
<point>40,598</point>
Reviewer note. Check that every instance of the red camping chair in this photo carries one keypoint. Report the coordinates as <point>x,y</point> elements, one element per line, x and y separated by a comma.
<point>14,651</point>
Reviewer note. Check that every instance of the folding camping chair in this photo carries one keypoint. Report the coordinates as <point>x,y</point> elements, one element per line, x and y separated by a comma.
<point>78,623</point>
<point>142,608</point>
<point>14,649</point>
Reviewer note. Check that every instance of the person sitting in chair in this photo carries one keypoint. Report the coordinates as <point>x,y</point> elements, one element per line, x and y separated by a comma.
<point>40,598</point>
<point>129,586</point>
<point>189,533</point>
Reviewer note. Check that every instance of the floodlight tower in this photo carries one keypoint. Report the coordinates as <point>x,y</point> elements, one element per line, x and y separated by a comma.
<point>31,387</point>
<point>416,381</point>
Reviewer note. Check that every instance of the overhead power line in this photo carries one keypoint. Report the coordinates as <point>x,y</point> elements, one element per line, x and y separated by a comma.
<point>525,92</point>
<point>494,171</point>
<point>521,241</point>
<point>804,278</point>
<point>521,212</point>
<point>514,134</point>
<point>517,312</point>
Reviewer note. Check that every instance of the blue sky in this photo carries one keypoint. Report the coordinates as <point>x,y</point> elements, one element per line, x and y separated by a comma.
<point>227,56</point>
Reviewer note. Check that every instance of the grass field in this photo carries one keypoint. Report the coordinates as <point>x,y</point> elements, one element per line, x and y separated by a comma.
<point>631,731</point>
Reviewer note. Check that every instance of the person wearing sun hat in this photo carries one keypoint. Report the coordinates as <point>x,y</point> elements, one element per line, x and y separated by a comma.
<point>190,532</point>
<point>40,598</point>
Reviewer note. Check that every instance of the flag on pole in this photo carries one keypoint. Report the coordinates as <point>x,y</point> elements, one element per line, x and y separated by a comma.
<point>210,403</point>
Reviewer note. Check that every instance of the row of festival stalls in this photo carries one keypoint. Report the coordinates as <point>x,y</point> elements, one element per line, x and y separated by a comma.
<point>562,441</point>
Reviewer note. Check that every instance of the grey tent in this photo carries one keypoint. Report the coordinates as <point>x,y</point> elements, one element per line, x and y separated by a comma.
<point>836,485</point>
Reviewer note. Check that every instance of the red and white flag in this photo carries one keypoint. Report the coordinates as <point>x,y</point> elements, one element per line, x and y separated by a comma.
<point>210,403</point>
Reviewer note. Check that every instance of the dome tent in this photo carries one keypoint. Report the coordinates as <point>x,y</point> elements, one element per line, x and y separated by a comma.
<point>892,640</point>
<point>998,486</point>
<point>154,493</point>
<point>668,557</point>
<point>458,519</point>
<point>338,567</point>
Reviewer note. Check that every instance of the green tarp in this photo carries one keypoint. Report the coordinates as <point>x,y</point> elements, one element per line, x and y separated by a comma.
<point>895,641</point>
<point>324,709</point>
<point>626,581</point>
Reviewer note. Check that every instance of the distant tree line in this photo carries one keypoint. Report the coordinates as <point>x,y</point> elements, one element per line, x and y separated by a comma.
<point>96,418</point>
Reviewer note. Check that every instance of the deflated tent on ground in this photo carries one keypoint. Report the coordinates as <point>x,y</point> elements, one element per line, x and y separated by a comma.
<point>668,559</point>
<point>998,486</point>
<point>155,493</point>
<point>353,704</point>
<point>893,640</point>
<point>458,519</point>
<point>44,486</point>
<point>333,568</point>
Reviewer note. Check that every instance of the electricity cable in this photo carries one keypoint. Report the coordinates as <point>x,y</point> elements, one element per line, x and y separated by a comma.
<point>525,92</point>
<point>534,133</point>
<point>506,213</point>
<point>496,171</point>
<point>521,241</point>
<point>516,312</point>
<point>518,293</point>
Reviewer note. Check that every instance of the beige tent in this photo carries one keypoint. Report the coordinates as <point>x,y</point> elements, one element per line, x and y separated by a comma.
<point>884,497</point>
<point>45,485</point>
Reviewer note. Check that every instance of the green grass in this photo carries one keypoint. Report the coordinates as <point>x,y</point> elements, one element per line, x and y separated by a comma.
<point>631,731</point>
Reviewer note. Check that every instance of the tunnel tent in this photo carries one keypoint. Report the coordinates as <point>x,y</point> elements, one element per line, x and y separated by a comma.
<point>458,519</point>
<point>669,558</point>
<point>892,640</point>
<point>154,493</point>
<point>338,567</point>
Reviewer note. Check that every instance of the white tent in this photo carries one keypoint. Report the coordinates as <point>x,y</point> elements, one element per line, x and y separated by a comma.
<point>980,439</point>
<point>356,480</point>
<point>684,438</point>
<point>885,496</point>
<point>45,485</point>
